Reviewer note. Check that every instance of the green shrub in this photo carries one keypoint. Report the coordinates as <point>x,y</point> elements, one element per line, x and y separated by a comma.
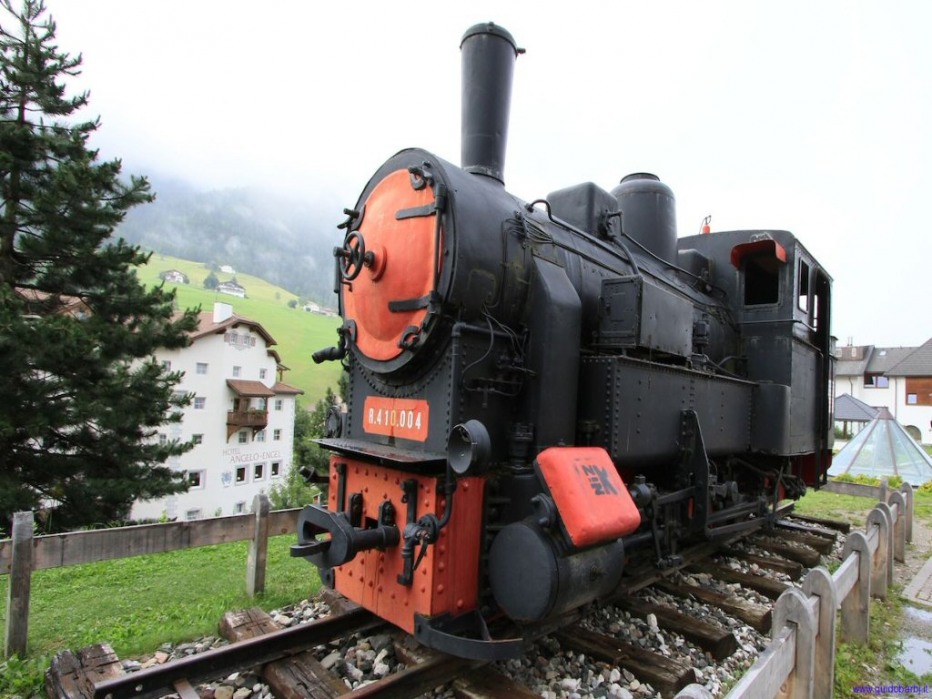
<point>23,678</point>
<point>892,481</point>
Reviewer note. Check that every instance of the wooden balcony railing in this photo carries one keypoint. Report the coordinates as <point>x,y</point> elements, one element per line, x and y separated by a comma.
<point>238,419</point>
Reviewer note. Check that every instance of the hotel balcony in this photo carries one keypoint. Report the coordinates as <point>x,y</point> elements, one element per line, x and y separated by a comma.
<point>238,419</point>
<point>244,416</point>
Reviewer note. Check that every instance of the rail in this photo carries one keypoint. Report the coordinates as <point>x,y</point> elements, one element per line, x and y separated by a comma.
<point>24,553</point>
<point>800,660</point>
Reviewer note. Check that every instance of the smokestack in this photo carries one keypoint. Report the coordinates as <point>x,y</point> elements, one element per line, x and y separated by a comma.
<point>222,311</point>
<point>489,54</point>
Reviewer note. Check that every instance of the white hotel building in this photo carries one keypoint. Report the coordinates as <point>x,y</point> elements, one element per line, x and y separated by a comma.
<point>241,419</point>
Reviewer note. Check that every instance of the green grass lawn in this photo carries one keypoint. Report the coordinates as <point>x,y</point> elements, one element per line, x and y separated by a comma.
<point>137,604</point>
<point>854,509</point>
<point>298,333</point>
<point>846,508</point>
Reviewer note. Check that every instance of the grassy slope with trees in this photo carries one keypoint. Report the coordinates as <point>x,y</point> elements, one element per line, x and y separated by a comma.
<point>297,332</point>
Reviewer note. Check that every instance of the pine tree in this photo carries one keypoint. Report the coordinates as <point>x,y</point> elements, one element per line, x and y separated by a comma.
<point>81,396</point>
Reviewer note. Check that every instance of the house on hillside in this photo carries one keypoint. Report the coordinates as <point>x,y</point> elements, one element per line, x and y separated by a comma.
<point>241,418</point>
<point>174,276</point>
<point>896,378</point>
<point>312,307</point>
<point>232,288</point>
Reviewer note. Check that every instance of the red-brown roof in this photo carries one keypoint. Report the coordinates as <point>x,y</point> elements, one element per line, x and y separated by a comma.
<point>286,389</point>
<point>252,389</point>
<point>64,304</point>
<point>207,326</point>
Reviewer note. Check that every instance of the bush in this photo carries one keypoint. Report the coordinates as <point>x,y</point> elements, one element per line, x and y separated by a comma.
<point>892,481</point>
<point>309,458</point>
<point>294,491</point>
<point>23,678</point>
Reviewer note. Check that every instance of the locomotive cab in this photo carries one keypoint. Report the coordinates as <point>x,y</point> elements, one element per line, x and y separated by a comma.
<point>784,316</point>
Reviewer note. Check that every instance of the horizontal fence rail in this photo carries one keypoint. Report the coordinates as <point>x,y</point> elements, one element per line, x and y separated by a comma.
<point>800,660</point>
<point>24,553</point>
<point>75,548</point>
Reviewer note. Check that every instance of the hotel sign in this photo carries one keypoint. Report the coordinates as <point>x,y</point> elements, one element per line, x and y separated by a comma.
<point>248,455</point>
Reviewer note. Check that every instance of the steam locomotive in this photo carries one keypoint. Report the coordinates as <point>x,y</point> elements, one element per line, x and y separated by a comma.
<point>535,390</point>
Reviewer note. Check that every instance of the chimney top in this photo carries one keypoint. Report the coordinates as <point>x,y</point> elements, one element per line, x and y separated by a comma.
<point>222,311</point>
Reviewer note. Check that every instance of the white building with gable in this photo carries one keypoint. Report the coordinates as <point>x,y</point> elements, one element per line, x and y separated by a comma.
<point>896,378</point>
<point>241,419</point>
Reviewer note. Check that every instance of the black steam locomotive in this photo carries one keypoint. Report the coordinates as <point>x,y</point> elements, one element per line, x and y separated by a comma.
<point>536,389</point>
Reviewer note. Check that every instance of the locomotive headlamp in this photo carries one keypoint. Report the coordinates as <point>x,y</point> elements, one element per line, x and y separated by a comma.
<point>468,448</point>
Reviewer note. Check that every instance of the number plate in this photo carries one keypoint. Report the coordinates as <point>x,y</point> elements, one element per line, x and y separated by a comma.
<point>396,417</point>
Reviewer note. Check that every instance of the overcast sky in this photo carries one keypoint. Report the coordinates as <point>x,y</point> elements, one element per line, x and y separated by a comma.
<point>809,116</point>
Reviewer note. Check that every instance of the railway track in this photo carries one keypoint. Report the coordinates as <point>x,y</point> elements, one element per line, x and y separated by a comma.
<point>638,644</point>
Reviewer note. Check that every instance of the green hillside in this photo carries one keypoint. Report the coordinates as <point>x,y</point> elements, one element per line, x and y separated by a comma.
<point>297,332</point>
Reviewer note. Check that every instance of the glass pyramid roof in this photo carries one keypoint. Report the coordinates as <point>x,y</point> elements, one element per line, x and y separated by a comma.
<point>881,450</point>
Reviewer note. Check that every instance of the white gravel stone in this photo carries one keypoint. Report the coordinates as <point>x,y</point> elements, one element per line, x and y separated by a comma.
<point>354,672</point>
<point>331,659</point>
<point>381,669</point>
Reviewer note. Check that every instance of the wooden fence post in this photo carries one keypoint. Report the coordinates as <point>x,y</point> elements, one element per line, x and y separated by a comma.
<point>855,608</point>
<point>885,508</point>
<point>820,584</point>
<point>792,607</point>
<point>258,547</point>
<point>879,560</point>
<point>907,491</point>
<point>899,526</point>
<point>17,601</point>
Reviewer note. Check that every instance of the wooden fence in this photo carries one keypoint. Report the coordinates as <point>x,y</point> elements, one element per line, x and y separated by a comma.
<point>24,553</point>
<point>800,660</point>
<point>877,492</point>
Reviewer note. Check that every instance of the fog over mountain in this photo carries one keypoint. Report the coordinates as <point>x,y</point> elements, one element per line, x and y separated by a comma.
<point>288,242</point>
